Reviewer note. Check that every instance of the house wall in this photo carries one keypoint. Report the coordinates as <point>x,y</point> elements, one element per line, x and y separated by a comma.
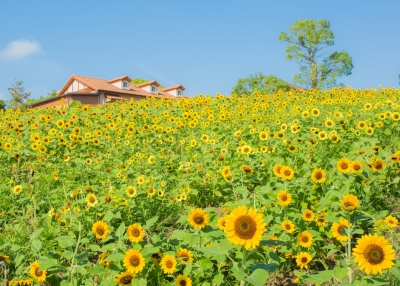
<point>86,99</point>
<point>117,84</point>
<point>174,92</point>
<point>56,101</point>
<point>75,86</point>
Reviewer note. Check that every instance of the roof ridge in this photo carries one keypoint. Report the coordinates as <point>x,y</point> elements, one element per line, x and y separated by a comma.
<point>90,77</point>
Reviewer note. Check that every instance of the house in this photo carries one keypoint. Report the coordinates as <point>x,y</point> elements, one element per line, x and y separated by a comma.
<point>95,91</point>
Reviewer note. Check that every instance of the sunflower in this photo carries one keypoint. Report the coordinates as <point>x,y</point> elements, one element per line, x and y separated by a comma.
<point>131,191</point>
<point>305,239</point>
<point>100,229</point>
<point>277,170</point>
<point>308,215</point>
<point>390,221</point>
<point>135,233</point>
<point>343,165</point>
<point>91,200</point>
<point>263,135</point>
<point>378,165</point>
<point>247,169</point>
<point>102,257</point>
<point>5,258</point>
<point>284,198</point>
<point>133,261</point>
<point>355,166</point>
<point>198,218</point>
<point>338,229</point>
<point>302,259</point>
<point>24,282</point>
<point>184,255</point>
<point>168,264</point>
<point>288,226</point>
<point>318,176</point>
<point>156,258</point>
<point>245,227</point>
<point>320,219</point>
<point>350,202</point>
<point>287,173</point>
<point>183,280</point>
<point>40,276</point>
<point>373,254</point>
<point>246,149</point>
<point>222,223</point>
<point>124,278</point>
<point>17,189</point>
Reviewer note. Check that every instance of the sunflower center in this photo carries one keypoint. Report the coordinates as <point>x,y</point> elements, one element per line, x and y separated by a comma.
<point>134,261</point>
<point>288,226</point>
<point>374,254</point>
<point>38,273</point>
<point>378,165</point>
<point>135,232</point>
<point>92,200</point>
<point>100,230</point>
<point>182,283</point>
<point>318,176</point>
<point>126,280</point>
<point>184,257</point>
<point>245,227</point>
<point>304,239</point>
<point>349,205</point>
<point>304,260</point>
<point>284,198</point>
<point>169,264</point>
<point>308,215</point>
<point>287,173</point>
<point>198,219</point>
<point>344,165</point>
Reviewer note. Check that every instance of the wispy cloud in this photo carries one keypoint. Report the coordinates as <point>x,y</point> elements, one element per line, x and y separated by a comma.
<point>153,73</point>
<point>19,49</point>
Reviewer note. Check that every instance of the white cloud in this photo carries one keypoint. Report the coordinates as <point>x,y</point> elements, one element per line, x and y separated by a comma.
<point>19,49</point>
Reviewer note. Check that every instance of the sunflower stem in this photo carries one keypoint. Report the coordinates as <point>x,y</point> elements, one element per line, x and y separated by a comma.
<point>349,269</point>
<point>242,283</point>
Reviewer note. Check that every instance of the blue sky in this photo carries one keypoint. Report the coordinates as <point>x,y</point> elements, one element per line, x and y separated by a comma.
<point>204,45</point>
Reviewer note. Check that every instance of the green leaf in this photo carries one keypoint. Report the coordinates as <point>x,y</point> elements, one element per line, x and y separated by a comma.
<point>358,231</point>
<point>120,231</point>
<point>46,263</point>
<point>36,245</point>
<point>258,278</point>
<point>188,268</point>
<point>115,257</point>
<point>97,270</point>
<point>66,241</point>
<point>108,216</point>
<point>396,272</point>
<point>4,245</point>
<point>205,263</point>
<point>268,267</point>
<point>150,222</point>
<point>139,282</point>
<point>340,273</point>
<point>218,279</point>
<point>321,277</point>
<point>238,273</point>
<point>36,233</point>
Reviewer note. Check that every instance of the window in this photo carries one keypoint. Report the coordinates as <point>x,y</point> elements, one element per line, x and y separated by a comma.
<point>179,92</point>
<point>125,84</point>
<point>153,89</point>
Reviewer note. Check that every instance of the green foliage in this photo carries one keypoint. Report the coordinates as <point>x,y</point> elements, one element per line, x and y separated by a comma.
<point>51,94</point>
<point>139,80</point>
<point>307,38</point>
<point>18,95</point>
<point>2,104</point>
<point>260,83</point>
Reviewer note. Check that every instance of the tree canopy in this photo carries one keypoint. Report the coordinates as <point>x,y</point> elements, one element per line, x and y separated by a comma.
<point>2,104</point>
<point>18,95</point>
<point>261,83</point>
<point>139,80</point>
<point>49,95</point>
<point>307,39</point>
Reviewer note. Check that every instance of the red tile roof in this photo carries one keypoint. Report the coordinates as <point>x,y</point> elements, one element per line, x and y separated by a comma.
<point>173,87</point>
<point>120,78</point>
<point>148,83</point>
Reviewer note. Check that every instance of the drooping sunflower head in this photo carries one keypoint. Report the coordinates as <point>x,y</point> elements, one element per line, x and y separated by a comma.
<point>318,176</point>
<point>156,258</point>
<point>343,165</point>
<point>247,169</point>
<point>135,233</point>
<point>221,223</point>
<point>100,229</point>
<point>124,278</point>
<point>102,257</point>
<point>168,264</point>
<point>198,218</point>
<point>303,259</point>
<point>321,219</point>
<point>288,226</point>
<point>39,276</point>
<point>245,227</point>
<point>183,280</point>
<point>133,261</point>
<point>373,254</point>
<point>308,215</point>
<point>378,165</point>
<point>339,230</point>
<point>4,258</point>
<point>284,198</point>
<point>184,255</point>
<point>305,239</point>
<point>349,202</point>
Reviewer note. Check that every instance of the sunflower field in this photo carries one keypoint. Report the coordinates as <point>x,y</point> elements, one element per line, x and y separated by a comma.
<point>282,189</point>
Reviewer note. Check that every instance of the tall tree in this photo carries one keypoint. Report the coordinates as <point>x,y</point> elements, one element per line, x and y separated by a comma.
<point>139,80</point>
<point>2,104</point>
<point>306,39</point>
<point>18,95</point>
<point>259,82</point>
